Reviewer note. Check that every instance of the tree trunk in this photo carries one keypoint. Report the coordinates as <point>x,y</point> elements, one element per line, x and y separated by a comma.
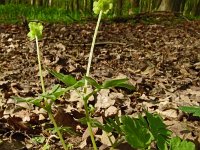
<point>85,5</point>
<point>119,7</point>
<point>50,2</point>
<point>91,6</point>
<point>133,4</point>
<point>197,12</point>
<point>171,5</point>
<point>31,2</point>
<point>165,5</point>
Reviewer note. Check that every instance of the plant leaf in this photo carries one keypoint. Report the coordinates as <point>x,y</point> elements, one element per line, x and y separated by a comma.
<point>92,82</point>
<point>35,101</point>
<point>68,80</point>
<point>38,139</point>
<point>114,124</point>
<point>195,110</point>
<point>78,84</point>
<point>55,93</point>
<point>127,86</point>
<point>177,144</point>
<point>137,135</point>
<point>158,129</point>
<point>113,83</point>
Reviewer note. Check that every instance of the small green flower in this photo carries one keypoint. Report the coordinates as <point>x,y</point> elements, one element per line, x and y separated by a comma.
<point>102,5</point>
<point>35,30</point>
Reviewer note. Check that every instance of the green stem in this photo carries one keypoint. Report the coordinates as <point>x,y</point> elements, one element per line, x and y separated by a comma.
<point>39,65</point>
<point>85,86</point>
<point>89,125</point>
<point>58,131</point>
<point>92,46</point>
<point>43,91</point>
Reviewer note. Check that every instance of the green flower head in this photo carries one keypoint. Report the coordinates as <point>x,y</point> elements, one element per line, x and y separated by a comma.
<point>102,5</point>
<point>35,30</point>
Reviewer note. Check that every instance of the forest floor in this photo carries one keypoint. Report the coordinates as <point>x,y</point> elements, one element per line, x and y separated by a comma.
<point>162,60</point>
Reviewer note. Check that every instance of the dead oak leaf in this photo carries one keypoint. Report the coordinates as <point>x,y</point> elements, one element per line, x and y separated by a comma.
<point>111,111</point>
<point>23,114</point>
<point>105,100</point>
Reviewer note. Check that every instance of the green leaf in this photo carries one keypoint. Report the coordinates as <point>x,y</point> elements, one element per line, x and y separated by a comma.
<point>158,129</point>
<point>35,30</point>
<point>111,125</point>
<point>113,83</point>
<point>83,121</point>
<point>195,110</point>
<point>64,129</point>
<point>114,124</point>
<point>38,139</point>
<point>34,101</point>
<point>79,83</point>
<point>136,134</point>
<point>93,82</point>
<point>127,86</point>
<point>177,144</point>
<point>55,93</point>
<point>46,147</point>
<point>161,142</point>
<point>102,5</point>
<point>68,80</point>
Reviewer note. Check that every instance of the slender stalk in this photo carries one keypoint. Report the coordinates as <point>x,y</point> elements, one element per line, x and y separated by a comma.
<point>89,125</point>
<point>39,65</point>
<point>58,131</point>
<point>92,46</point>
<point>43,91</point>
<point>85,86</point>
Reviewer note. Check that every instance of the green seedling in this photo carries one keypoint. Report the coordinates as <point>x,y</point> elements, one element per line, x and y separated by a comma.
<point>195,110</point>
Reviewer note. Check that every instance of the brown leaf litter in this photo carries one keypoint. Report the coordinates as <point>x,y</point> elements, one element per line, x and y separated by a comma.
<point>161,60</point>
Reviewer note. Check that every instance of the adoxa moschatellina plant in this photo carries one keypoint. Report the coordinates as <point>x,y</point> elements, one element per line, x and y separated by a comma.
<point>100,7</point>
<point>47,98</point>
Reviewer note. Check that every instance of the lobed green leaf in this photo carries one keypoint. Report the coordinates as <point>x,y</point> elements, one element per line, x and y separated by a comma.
<point>177,144</point>
<point>136,134</point>
<point>195,110</point>
<point>160,133</point>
